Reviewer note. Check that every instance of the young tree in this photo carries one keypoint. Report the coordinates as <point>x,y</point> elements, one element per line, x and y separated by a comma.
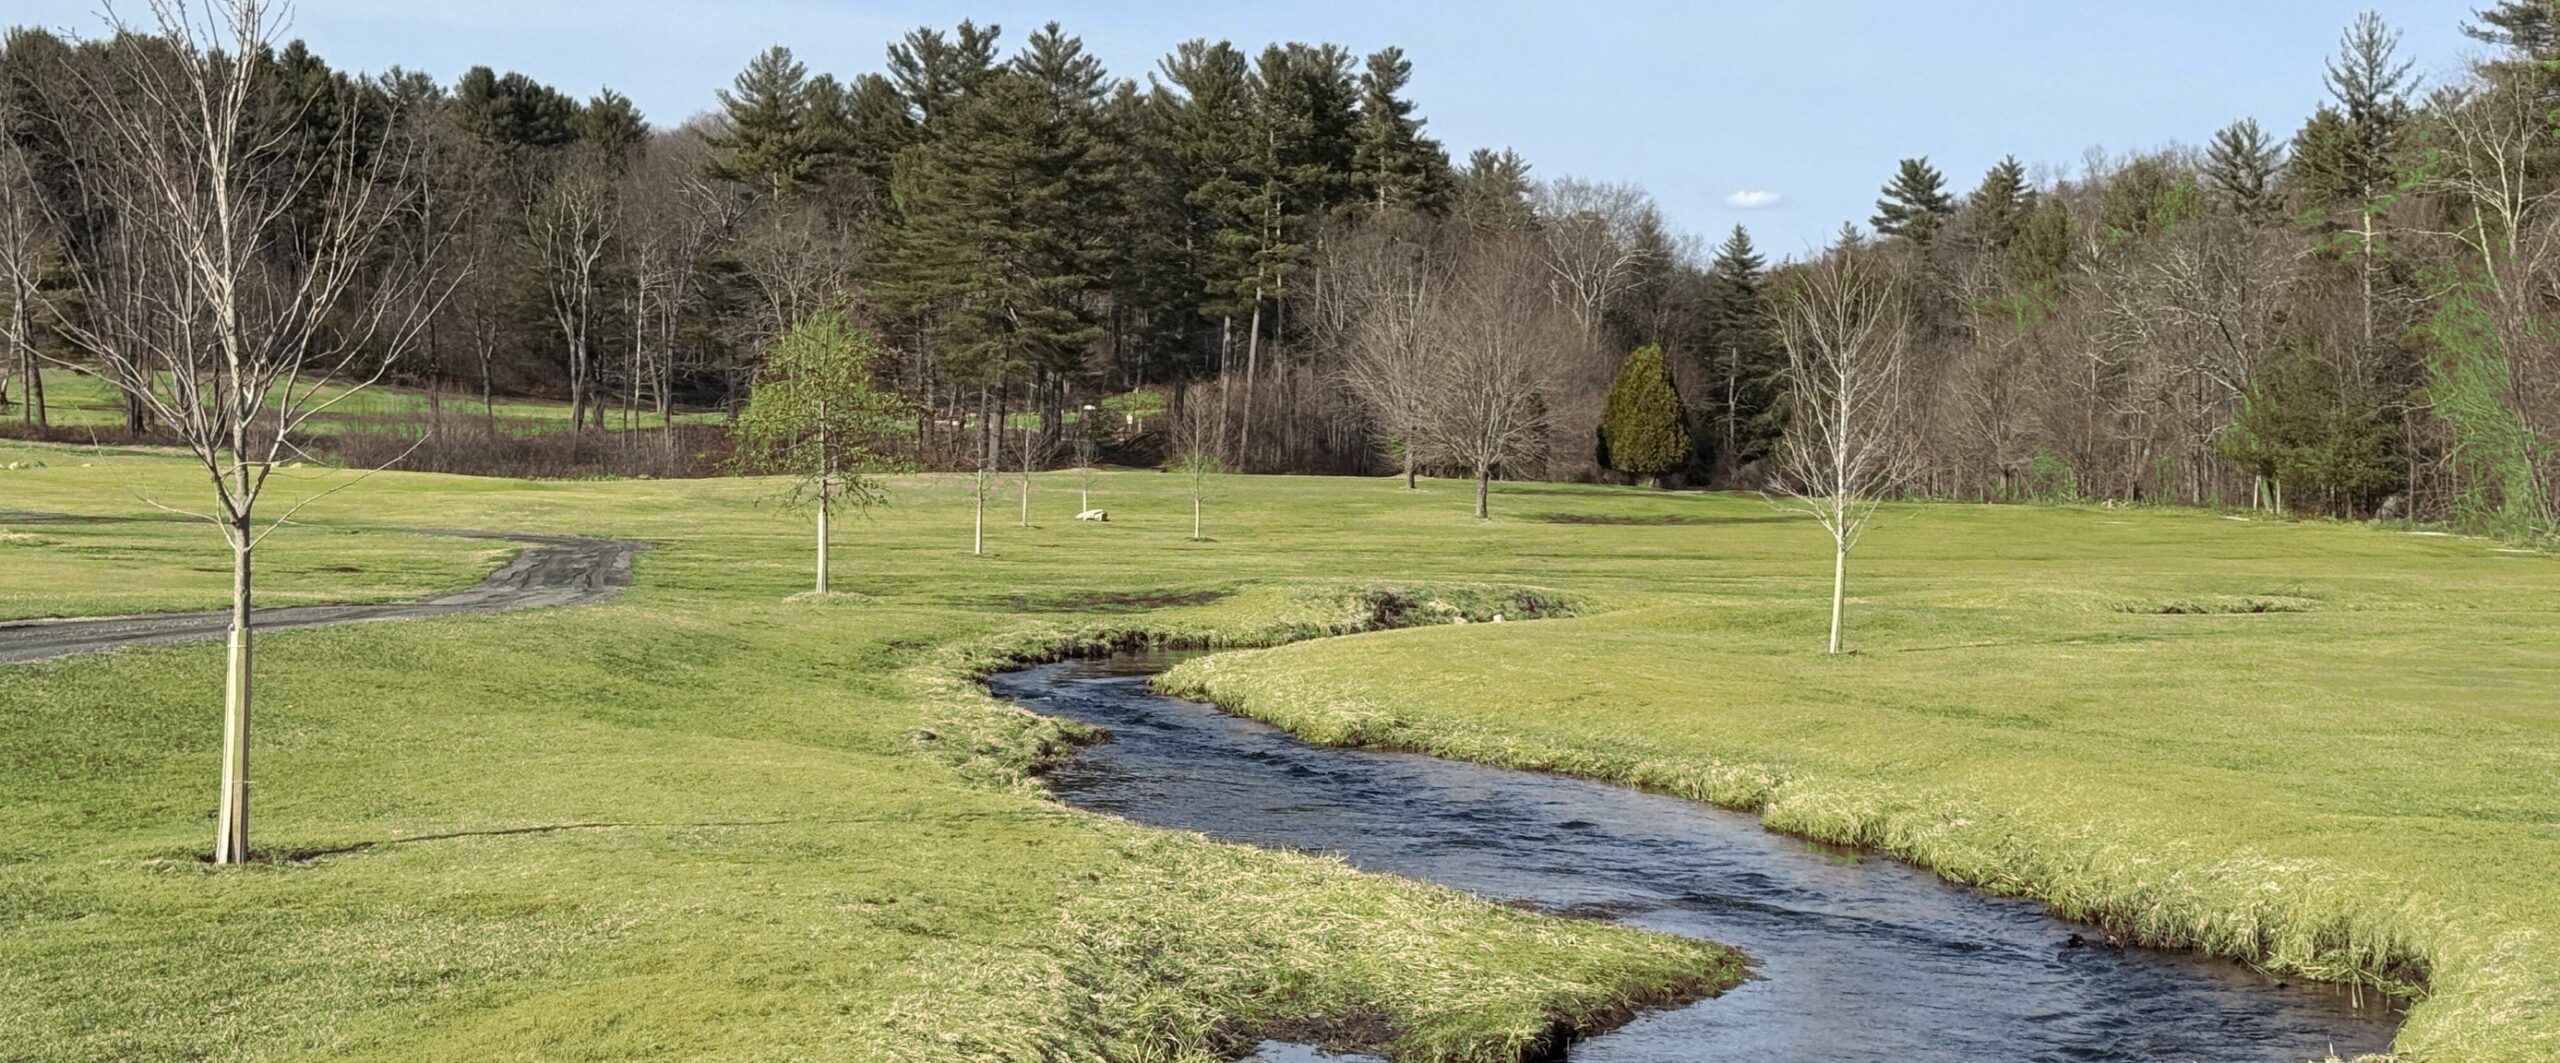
<point>1195,456</point>
<point>234,287</point>
<point>817,416</point>
<point>1840,320</point>
<point>1643,428</point>
<point>1915,203</point>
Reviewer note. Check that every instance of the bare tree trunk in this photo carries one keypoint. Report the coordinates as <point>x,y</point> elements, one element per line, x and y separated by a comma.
<point>1252,368</point>
<point>1409,483</point>
<point>231,820</point>
<point>1484,491</point>
<point>1839,584</point>
<point>822,542</point>
<point>1195,518</point>
<point>978,533</point>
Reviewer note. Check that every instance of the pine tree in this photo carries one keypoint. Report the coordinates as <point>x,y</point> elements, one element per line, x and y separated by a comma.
<point>764,108</point>
<point>2530,29</point>
<point>2240,165</point>
<point>1915,203</point>
<point>1399,167</point>
<point>2001,202</point>
<point>989,255</point>
<point>1643,431</point>
<point>936,72</point>
<point>1741,356</point>
<point>1492,193</point>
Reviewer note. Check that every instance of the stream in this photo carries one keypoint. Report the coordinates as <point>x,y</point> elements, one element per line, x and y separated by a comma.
<point>1854,956</point>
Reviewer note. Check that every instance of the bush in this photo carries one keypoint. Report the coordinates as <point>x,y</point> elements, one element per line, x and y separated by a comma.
<point>1643,431</point>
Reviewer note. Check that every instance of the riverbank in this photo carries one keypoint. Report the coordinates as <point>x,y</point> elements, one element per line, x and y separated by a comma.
<point>2354,784</point>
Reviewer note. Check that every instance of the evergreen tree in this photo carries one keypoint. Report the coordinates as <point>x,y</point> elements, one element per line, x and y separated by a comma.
<point>989,254</point>
<point>2240,166</point>
<point>513,111</point>
<point>1741,356</point>
<point>2302,429</point>
<point>2530,29</point>
<point>2001,202</point>
<point>1492,193</point>
<point>765,145</point>
<point>1915,203</point>
<point>878,125</point>
<point>936,72</point>
<point>611,126</point>
<point>1643,430</point>
<point>1399,167</point>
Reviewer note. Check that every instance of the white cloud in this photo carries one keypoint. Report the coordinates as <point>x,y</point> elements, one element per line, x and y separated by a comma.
<point>1753,199</point>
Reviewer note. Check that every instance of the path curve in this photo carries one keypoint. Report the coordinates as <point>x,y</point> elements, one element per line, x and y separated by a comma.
<point>552,570</point>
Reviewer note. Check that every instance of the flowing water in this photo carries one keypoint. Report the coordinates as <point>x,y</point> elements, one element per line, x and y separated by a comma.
<point>1855,957</point>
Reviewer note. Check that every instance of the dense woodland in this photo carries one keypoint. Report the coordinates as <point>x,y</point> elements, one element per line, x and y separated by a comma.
<point>1264,255</point>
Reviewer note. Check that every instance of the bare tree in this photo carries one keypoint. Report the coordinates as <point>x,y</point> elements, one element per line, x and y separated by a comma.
<point>234,287</point>
<point>1377,287</point>
<point>1492,336</point>
<point>26,234</point>
<point>1841,322</point>
<point>569,229</point>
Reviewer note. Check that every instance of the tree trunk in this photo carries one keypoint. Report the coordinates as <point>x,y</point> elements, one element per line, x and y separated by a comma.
<point>1252,368</point>
<point>978,526</point>
<point>1026,493</point>
<point>1839,583</point>
<point>822,542</point>
<point>1195,518</point>
<point>1484,492</point>
<point>1409,484</point>
<point>231,821</point>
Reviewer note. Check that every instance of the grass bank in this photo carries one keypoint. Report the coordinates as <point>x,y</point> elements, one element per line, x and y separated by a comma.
<point>707,822</point>
<point>2330,749</point>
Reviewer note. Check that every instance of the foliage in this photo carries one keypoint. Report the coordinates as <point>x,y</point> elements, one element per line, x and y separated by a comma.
<point>2303,429</point>
<point>2050,479</point>
<point>817,416</point>
<point>1915,202</point>
<point>1644,431</point>
<point>2470,378</point>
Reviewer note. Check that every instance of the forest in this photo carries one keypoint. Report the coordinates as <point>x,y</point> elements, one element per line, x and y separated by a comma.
<point>1264,255</point>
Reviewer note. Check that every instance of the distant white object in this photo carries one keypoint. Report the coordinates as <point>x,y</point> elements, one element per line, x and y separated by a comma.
<point>1497,618</point>
<point>1094,514</point>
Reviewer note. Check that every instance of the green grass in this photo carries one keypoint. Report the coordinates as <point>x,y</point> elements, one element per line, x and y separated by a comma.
<point>704,822</point>
<point>2330,749</point>
<point>793,829</point>
<point>80,400</point>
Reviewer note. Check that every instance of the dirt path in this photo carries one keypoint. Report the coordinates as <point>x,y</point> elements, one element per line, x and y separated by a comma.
<point>552,570</point>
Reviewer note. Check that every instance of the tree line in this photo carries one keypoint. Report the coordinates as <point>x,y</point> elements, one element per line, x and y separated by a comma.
<point>2343,319</point>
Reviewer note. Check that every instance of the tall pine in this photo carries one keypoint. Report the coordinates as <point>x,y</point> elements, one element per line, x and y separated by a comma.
<point>1915,202</point>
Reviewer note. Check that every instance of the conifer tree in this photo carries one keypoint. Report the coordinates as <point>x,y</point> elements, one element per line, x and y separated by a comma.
<point>1742,357</point>
<point>936,72</point>
<point>1399,167</point>
<point>1643,431</point>
<point>1492,193</point>
<point>764,145</point>
<point>990,255</point>
<point>2002,201</point>
<point>2240,165</point>
<point>1915,203</point>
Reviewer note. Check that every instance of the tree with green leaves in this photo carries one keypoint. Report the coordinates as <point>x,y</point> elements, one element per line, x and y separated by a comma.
<point>1399,168</point>
<point>1741,354</point>
<point>1492,193</point>
<point>1643,430</point>
<point>764,142</point>
<point>2303,428</point>
<point>818,417</point>
<point>1915,202</point>
<point>2241,166</point>
<point>2000,204</point>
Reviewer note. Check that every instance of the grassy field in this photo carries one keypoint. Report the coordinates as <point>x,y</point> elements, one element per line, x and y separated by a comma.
<point>85,400</point>
<point>2331,749</point>
<point>704,821</point>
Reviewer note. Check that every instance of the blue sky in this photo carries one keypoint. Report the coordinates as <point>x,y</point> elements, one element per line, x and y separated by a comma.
<point>1807,102</point>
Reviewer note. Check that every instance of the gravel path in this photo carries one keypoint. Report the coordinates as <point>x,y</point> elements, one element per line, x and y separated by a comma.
<point>552,570</point>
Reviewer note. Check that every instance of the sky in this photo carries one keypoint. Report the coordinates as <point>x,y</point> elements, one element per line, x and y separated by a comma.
<point>1784,117</point>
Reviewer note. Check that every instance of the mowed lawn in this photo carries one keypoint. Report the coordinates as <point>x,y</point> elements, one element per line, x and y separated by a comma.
<point>2329,748</point>
<point>705,821</point>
